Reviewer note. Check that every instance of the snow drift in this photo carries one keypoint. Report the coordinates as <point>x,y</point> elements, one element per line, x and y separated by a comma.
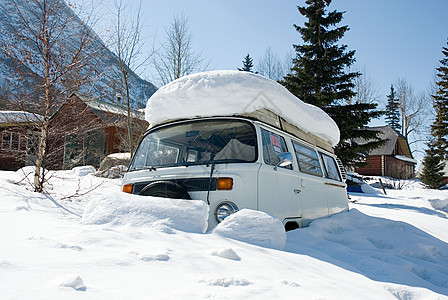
<point>134,210</point>
<point>229,93</point>
<point>253,227</point>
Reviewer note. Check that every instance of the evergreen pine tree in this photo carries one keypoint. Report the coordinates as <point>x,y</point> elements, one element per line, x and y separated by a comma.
<point>440,127</point>
<point>392,112</point>
<point>319,77</point>
<point>247,64</point>
<point>351,120</point>
<point>432,175</point>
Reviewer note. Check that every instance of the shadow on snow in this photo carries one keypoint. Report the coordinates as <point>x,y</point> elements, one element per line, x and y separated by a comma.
<point>380,249</point>
<point>422,210</point>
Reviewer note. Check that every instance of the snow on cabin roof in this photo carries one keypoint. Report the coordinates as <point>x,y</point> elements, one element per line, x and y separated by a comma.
<point>391,138</point>
<point>406,159</point>
<point>19,117</point>
<point>230,93</point>
<point>108,107</point>
<point>112,108</point>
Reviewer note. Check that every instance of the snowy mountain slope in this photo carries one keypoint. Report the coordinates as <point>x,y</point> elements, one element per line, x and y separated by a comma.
<point>385,247</point>
<point>105,63</point>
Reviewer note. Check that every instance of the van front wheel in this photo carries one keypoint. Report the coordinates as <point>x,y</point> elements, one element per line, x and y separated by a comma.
<point>165,189</point>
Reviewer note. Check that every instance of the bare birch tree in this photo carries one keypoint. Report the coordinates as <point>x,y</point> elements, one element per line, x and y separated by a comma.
<point>414,108</point>
<point>410,107</point>
<point>48,43</point>
<point>366,91</point>
<point>176,58</point>
<point>127,43</point>
<point>270,66</point>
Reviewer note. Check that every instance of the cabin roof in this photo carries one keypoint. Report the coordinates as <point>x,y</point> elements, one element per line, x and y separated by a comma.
<point>100,107</point>
<point>391,137</point>
<point>14,118</point>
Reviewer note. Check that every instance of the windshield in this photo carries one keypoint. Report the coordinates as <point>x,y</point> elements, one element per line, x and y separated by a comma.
<point>197,142</point>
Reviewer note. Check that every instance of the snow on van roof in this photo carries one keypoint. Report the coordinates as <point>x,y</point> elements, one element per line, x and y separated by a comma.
<point>229,93</point>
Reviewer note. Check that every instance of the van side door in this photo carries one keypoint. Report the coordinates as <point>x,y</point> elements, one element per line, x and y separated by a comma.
<point>278,187</point>
<point>311,182</point>
<point>336,188</point>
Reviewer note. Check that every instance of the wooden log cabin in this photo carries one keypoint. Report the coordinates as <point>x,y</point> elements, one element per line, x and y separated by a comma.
<point>393,159</point>
<point>83,131</point>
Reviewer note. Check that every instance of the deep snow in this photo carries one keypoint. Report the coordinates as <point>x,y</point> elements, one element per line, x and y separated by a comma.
<point>87,240</point>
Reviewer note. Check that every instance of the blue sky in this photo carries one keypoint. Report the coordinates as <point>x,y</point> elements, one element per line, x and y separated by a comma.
<point>392,38</point>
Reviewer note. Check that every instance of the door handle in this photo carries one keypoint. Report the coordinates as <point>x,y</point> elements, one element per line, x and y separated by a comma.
<point>297,191</point>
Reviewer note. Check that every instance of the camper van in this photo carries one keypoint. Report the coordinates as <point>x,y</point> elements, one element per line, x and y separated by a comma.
<point>249,158</point>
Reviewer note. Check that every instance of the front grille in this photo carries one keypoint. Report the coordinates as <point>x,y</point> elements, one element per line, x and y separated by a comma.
<point>190,184</point>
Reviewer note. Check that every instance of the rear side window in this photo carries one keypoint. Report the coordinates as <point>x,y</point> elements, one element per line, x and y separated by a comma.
<point>307,159</point>
<point>331,169</point>
<point>273,145</point>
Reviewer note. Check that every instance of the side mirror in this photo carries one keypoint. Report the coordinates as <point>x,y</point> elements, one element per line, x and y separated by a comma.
<point>285,160</point>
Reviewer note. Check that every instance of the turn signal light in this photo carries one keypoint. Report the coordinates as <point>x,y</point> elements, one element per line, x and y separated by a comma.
<point>127,188</point>
<point>224,183</point>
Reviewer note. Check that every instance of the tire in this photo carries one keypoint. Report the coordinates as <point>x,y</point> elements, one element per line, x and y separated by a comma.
<point>165,189</point>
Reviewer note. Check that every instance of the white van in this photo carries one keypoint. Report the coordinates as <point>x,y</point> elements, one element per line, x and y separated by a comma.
<point>254,159</point>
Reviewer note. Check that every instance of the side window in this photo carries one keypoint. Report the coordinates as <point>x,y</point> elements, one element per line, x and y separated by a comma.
<point>273,145</point>
<point>331,169</point>
<point>10,141</point>
<point>307,159</point>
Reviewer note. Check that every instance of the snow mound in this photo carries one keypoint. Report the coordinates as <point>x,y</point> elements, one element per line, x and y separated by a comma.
<point>75,283</point>
<point>439,204</point>
<point>366,188</point>
<point>228,93</point>
<point>158,257</point>
<point>226,282</point>
<point>253,227</point>
<point>227,253</point>
<point>126,209</point>
<point>83,171</point>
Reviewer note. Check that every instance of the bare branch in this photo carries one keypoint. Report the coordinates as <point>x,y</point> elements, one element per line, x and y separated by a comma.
<point>175,57</point>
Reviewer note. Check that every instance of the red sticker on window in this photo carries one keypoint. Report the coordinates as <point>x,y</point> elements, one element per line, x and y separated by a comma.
<point>275,141</point>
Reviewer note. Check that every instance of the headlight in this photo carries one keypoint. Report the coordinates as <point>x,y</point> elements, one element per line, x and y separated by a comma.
<point>224,210</point>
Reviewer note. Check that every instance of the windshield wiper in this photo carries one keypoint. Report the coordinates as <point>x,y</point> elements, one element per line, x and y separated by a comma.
<point>149,168</point>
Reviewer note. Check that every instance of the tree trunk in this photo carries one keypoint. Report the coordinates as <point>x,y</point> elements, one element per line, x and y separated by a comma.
<point>129,120</point>
<point>38,178</point>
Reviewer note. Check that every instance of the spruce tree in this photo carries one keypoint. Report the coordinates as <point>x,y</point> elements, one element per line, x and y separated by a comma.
<point>351,120</point>
<point>319,76</point>
<point>432,175</point>
<point>247,64</point>
<point>440,127</point>
<point>392,112</point>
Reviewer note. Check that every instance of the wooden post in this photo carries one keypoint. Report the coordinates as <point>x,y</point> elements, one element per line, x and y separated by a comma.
<point>382,186</point>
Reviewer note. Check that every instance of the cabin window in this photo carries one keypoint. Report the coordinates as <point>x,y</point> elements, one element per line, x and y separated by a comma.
<point>307,159</point>
<point>331,169</point>
<point>10,141</point>
<point>32,142</point>
<point>273,145</point>
<point>396,149</point>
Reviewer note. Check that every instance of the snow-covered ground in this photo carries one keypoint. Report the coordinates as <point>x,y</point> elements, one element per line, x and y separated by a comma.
<point>87,240</point>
